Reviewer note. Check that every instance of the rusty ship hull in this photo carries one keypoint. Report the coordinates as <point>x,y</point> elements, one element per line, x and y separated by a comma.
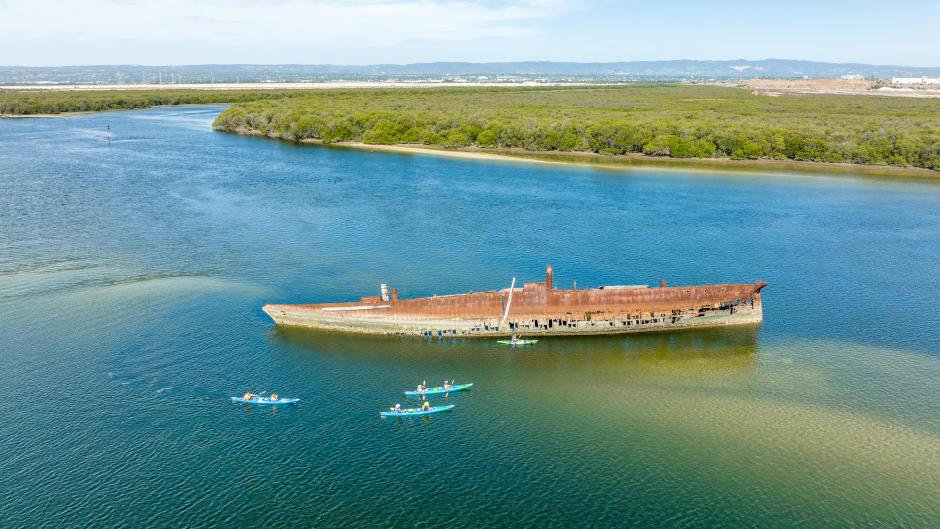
<point>535,309</point>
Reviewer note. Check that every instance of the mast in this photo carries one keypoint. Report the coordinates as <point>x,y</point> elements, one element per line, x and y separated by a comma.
<point>508,303</point>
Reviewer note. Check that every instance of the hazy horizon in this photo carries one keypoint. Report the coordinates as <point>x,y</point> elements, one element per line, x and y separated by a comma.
<point>445,61</point>
<point>368,32</point>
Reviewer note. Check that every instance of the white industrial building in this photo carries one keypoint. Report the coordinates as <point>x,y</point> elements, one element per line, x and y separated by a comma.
<point>915,80</point>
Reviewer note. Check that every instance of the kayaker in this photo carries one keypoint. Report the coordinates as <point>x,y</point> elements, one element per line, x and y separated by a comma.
<point>397,408</point>
<point>514,339</point>
<point>447,385</point>
<point>426,406</point>
<point>420,388</point>
<point>248,395</point>
<point>274,396</point>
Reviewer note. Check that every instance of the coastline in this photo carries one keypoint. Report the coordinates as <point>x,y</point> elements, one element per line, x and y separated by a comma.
<point>636,160</point>
<point>81,112</point>
<point>615,162</point>
<point>23,116</point>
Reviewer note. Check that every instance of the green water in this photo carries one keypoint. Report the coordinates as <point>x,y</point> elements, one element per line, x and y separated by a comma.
<point>131,281</point>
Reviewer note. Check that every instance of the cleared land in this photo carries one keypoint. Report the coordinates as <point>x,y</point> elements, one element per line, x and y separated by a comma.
<point>675,121</point>
<point>857,87</point>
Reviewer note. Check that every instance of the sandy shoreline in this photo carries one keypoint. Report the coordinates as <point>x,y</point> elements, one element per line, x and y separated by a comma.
<point>634,161</point>
<point>436,151</point>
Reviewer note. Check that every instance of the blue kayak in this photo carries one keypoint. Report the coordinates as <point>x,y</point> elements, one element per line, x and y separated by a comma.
<point>265,400</point>
<point>410,412</point>
<point>439,390</point>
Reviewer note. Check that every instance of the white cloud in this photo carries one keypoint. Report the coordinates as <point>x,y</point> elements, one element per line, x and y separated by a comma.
<point>279,23</point>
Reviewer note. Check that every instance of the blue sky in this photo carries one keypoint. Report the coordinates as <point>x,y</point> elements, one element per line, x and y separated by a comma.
<point>60,32</point>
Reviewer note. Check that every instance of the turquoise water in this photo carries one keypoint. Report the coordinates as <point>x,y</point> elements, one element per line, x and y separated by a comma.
<point>132,276</point>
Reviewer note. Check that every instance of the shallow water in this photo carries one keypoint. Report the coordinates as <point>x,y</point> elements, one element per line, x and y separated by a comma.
<point>132,276</point>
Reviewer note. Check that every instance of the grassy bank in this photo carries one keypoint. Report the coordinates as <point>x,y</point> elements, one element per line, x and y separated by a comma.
<point>671,121</point>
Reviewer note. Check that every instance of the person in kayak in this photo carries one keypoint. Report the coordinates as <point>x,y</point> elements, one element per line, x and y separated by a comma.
<point>274,396</point>
<point>420,388</point>
<point>447,385</point>
<point>248,395</point>
<point>426,406</point>
<point>514,339</point>
<point>397,408</point>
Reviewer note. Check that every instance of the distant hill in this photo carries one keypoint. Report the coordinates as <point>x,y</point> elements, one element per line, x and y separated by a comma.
<point>633,70</point>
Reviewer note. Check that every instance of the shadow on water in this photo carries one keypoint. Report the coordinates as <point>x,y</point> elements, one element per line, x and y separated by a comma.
<point>730,349</point>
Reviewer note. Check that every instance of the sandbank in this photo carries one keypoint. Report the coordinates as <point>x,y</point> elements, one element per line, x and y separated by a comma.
<point>634,160</point>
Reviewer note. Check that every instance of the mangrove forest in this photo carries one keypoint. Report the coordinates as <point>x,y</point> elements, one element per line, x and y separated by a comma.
<point>664,120</point>
<point>680,121</point>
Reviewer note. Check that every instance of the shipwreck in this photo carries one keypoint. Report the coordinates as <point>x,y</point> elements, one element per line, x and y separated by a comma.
<point>537,308</point>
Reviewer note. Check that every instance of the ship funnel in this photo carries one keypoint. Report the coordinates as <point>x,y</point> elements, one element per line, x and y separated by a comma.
<point>548,277</point>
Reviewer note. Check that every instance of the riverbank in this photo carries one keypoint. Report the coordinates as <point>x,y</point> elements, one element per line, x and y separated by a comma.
<point>671,126</point>
<point>63,114</point>
<point>44,103</point>
<point>634,160</point>
<point>683,124</point>
<point>83,112</point>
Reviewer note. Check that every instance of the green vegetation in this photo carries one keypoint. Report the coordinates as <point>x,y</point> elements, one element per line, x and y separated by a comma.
<point>679,121</point>
<point>676,121</point>
<point>29,102</point>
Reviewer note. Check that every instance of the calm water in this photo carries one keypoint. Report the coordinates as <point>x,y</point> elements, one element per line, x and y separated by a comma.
<point>132,276</point>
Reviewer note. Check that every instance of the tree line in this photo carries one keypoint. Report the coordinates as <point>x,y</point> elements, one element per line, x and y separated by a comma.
<point>30,102</point>
<point>680,121</point>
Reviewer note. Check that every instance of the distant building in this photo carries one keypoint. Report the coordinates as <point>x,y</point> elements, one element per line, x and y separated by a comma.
<point>915,80</point>
<point>852,77</point>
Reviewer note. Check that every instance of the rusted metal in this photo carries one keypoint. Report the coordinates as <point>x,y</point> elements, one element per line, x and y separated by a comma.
<point>539,300</point>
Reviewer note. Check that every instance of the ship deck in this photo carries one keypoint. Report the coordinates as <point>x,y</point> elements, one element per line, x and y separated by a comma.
<point>537,308</point>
